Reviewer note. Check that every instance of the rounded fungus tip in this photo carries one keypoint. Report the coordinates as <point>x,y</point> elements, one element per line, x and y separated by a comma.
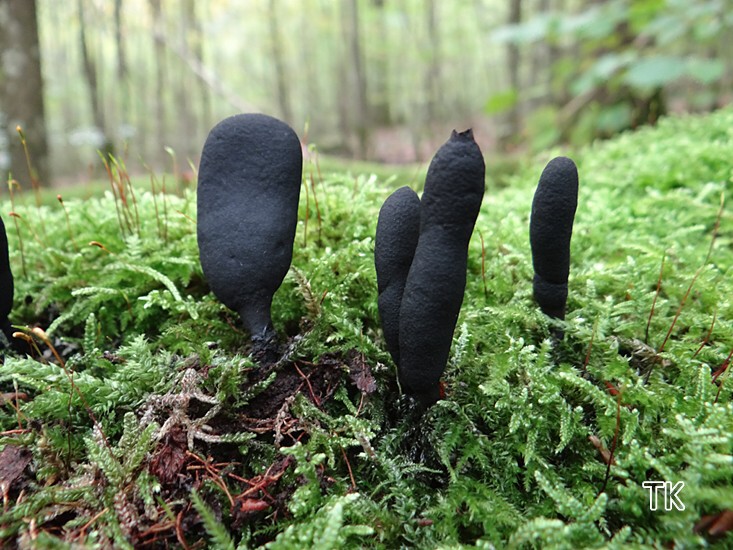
<point>433,294</point>
<point>247,205</point>
<point>550,231</point>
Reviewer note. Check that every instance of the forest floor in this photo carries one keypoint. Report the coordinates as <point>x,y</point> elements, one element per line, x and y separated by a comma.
<point>141,420</point>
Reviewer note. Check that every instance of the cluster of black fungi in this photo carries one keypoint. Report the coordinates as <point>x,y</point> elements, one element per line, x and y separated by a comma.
<point>248,191</point>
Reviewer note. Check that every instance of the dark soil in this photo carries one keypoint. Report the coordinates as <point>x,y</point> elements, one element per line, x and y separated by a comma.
<point>257,494</point>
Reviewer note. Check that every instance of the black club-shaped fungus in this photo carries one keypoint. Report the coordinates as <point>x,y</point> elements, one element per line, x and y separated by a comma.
<point>550,230</point>
<point>433,294</point>
<point>248,191</point>
<point>398,229</point>
<point>6,286</point>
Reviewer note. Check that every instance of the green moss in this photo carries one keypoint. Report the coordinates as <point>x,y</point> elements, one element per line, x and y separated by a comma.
<point>507,459</point>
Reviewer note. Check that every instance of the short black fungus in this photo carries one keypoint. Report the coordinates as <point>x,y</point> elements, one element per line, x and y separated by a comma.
<point>398,229</point>
<point>6,287</point>
<point>431,302</point>
<point>550,230</point>
<point>248,191</point>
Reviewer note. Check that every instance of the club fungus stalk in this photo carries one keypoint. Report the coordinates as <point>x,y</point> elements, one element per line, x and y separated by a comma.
<point>431,302</point>
<point>6,286</point>
<point>248,191</point>
<point>398,230</point>
<point>550,231</point>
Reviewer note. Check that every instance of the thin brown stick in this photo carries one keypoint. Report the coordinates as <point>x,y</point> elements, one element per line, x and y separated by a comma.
<point>32,343</point>
<point>722,382</point>
<point>692,283</point>
<point>16,405</point>
<point>108,169</point>
<point>165,211</point>
<point>710,332</point>
<point>674,322</point>
<point>19,431</point>
<point>483,264</point>
<point>100,245</point>
<point>11,184</point>
<point>82,531</point>
<point>30,228</point>
<point>318,168</point>
<point>68,222</point>
<point>590,345</point>
<point>679,309</point>
<point>176,172</point>
<point>20,239</point>
<point>189,218</point>
<point>126,181</point>
<point>318,208</point>
<point>307,213</point>
<point>214,474</point>
<point>308,383</point>
<point>654,302</point>
<point>348,467</point>
<point>155,204</point>
<point>34,177</point>
<point>724,367</point>
<point>361,404</point>
<point>613,443</point>
<point>716,228</point>
<point>179,530</point>
<point>41,334</point>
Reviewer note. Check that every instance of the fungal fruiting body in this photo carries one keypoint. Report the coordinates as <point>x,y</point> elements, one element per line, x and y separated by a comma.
<point>248,191</point>
<point>431,302</point>
<point>6,286</point>
<point>550,230</point>
<point>398,229</point>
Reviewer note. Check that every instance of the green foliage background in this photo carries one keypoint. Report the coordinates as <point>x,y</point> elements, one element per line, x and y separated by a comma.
<point>618,54</point>
<point>504,460</point>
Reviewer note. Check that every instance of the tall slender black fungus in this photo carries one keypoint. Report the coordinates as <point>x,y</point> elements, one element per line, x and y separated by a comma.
<point>248,191</point>
<point>398,229</point>
<point>550,230</point>
<point>433,294</point>
<point>6,286</point>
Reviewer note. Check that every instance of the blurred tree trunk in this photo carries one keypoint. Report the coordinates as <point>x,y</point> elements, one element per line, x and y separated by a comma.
<point>344,98</point>
<point>278,61</point>
<point>122,67</point>
<point>380,98</point>
<point>89,67</point>
<point>513,60</point>
<point>160,72</point>
<point>196,46</point>
<point>185,126</point>
<point>21,89</point>
<point>433,84</point>
<point>540,67</point>
<point>361,106</point>
<point>554,54</point>
<point>308,52</point>
<point>724,89</point>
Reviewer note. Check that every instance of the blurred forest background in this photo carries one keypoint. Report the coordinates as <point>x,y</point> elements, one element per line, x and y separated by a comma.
<point>379,80</point>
